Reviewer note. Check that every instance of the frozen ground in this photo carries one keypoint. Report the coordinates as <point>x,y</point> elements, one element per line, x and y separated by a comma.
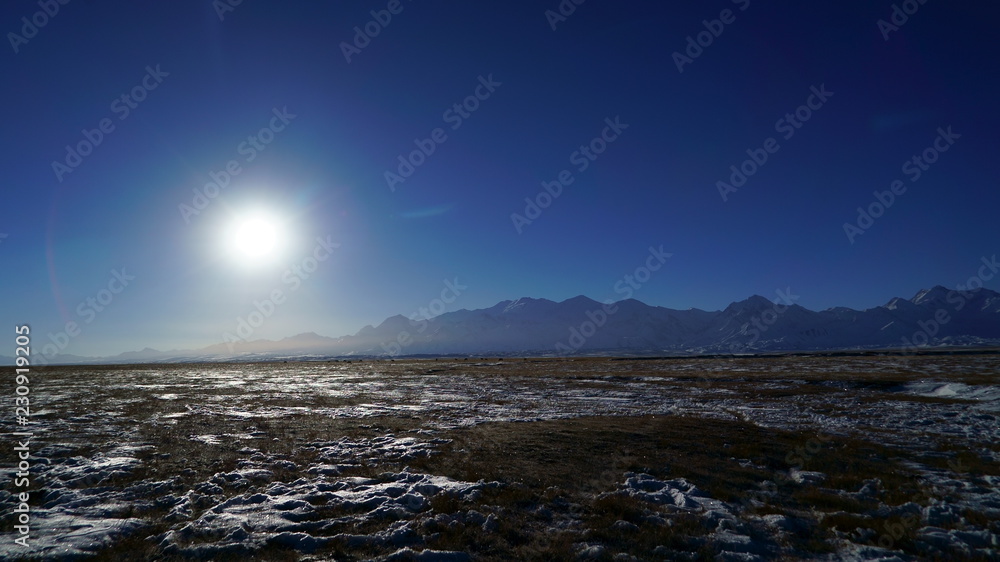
<point>851,458</point>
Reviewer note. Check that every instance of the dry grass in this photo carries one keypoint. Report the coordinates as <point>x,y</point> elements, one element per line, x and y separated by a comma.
<point>557,471</point>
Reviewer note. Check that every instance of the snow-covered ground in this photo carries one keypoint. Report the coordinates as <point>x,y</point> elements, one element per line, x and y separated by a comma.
<point>93,462</point>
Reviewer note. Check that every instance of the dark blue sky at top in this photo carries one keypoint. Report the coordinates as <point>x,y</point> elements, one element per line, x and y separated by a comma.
<point>655,185</point>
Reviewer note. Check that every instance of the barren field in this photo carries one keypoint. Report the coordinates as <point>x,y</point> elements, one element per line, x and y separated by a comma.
<point>825,458</point>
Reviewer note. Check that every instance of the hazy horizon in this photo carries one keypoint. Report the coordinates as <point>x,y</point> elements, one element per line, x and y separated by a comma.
<point>420,317</point>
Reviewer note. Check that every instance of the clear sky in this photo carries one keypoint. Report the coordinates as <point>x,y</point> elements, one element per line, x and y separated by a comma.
<point>115,113</point>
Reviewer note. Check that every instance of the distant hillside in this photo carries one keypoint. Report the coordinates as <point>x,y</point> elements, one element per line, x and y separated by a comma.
<point>933,317</point>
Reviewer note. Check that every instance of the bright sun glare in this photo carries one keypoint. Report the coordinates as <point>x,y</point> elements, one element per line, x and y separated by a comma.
<point>255,238</point>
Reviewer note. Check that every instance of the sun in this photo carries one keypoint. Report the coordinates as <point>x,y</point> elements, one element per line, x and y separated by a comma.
<point>255,238</point>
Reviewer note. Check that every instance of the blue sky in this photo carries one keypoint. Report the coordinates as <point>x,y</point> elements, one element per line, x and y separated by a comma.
<point>199,85</point>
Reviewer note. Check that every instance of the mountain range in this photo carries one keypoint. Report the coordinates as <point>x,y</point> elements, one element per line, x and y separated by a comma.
<point>530,326</point>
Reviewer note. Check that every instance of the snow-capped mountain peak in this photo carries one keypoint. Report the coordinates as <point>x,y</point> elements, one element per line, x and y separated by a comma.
<point>582,325</point>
